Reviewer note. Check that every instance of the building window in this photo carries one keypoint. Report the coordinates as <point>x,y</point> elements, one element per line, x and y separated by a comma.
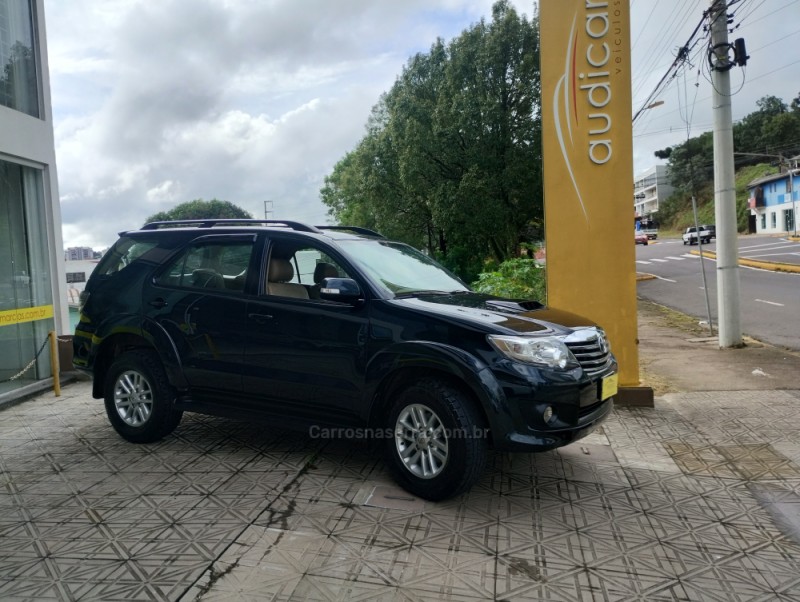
<point>73,277</point>
<point>788,219</point>
<point>24,269</point>
<point>763,221</point>
<point>774,220</point>
<point>19,84</point>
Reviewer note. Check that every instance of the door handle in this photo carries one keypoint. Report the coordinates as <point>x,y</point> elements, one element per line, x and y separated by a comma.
<point>260,318</point>
<point>158,303</point>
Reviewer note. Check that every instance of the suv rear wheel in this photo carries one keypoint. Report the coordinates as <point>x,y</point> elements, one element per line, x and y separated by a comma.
<point>138,398</point>
<point>438,445</point>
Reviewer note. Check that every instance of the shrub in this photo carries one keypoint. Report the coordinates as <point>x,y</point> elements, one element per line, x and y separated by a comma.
<point>514,279</point>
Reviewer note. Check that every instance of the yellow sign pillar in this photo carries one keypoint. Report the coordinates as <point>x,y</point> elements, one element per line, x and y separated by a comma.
<point>588,168</point>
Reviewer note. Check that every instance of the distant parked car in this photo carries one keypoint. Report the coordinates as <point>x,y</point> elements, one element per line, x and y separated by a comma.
<point>712,229</point>
<point>641,238</point>
<point>690,235</point>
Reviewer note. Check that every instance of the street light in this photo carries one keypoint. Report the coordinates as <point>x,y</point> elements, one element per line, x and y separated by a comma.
<point>652,105</point>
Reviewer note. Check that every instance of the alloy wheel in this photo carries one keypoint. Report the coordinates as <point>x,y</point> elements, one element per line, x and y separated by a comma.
<point>421,441</point>
<point>133,398</point>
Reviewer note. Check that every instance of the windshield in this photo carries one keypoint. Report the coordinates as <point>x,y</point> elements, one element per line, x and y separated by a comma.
<point>400,268</point>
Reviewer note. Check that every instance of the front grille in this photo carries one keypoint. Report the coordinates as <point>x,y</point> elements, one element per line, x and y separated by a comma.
<point>590,349</point>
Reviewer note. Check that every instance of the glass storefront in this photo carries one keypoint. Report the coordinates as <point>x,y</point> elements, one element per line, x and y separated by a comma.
<point>25,285</point>
<point>18,77</point>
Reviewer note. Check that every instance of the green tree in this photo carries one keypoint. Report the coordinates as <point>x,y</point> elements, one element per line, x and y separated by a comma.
<point>451,159</point>
<point>773,129</point>
<point>200,209</point>
<point>754,134</point>
<point>691,164</point>
<point>517,278</point>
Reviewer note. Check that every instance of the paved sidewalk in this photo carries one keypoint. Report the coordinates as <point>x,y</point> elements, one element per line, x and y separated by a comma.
<point>695,499</point>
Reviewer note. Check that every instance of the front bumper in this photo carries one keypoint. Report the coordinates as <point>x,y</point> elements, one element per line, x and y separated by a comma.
<point>577,409</point>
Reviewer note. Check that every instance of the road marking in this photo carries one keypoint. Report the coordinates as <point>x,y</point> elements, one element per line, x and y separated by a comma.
<point>659,260</point>
<point>776,245</point>
<point>675,258</point>
<point>689,255</point>
<point>664,279</point>
<point>770,302</point>
<point>768,255</point>
<point>643,262</point>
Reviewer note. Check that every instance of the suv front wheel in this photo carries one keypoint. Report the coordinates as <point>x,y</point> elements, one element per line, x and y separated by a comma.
<point>438,446</point>
<point>138,398</point>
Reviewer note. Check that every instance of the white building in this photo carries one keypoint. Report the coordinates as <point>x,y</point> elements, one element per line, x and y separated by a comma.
<point>32,276</point>
<point>650,188</point>
<point>78,253</point>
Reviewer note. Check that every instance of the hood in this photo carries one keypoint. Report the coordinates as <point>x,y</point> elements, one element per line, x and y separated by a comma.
<point>496,314</point>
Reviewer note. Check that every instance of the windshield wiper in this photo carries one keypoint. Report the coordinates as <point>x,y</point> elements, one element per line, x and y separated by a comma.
<point>420,293</point>
<point>427,293</point>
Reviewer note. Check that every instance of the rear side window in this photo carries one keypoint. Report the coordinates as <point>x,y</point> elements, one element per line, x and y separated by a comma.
<point>210,265</point>
<point>123,254</point>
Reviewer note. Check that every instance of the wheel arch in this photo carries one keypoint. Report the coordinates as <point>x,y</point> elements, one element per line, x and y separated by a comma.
<point>126,338</point>
<point>411,362</point>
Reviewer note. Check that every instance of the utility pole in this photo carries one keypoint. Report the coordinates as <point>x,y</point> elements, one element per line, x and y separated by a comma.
<point>728,302</point>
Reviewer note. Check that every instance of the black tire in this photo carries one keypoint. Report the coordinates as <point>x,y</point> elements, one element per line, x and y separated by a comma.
<point>139,399</point>
<point>461,431</point>
<point>684,243</point>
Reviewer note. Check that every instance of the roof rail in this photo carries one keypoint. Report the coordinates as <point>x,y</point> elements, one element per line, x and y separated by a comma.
<point>356,229</point>
<point>210,223</point>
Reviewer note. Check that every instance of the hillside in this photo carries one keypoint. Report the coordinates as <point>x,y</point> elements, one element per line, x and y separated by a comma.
<point>676,212</point>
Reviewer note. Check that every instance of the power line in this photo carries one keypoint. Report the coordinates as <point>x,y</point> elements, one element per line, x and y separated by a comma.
<point>667,33</point>
<point>761,18</point>
<point>680,59</point>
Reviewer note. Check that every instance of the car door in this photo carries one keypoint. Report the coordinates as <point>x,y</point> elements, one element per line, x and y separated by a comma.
<point>305,357</point>
<point>198,299</point>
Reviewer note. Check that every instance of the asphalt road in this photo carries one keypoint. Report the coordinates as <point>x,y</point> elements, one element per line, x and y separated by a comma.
<point>769,301</point>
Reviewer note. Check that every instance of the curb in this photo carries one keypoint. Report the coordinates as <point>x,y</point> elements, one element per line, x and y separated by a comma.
<point>773,266</point>
<point>643,276</point>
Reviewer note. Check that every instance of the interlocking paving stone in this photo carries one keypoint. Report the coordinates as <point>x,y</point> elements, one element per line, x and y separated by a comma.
<point>694,499</point>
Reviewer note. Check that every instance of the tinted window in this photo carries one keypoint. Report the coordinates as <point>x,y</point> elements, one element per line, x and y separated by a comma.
<point>212,265</point>
<point>124,252</point>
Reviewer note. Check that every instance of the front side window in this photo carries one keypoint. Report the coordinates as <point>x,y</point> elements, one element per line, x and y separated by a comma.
<point>298,271</point>
<point>211,265</point>
<point>19,87</point>
<point>400,268</point>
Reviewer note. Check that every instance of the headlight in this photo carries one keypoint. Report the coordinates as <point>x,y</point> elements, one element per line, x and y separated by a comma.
<point>543,351</point>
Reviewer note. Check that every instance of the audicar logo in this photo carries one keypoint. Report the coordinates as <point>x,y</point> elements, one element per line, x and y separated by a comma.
<point>584,92</point>
<point>598,86</point>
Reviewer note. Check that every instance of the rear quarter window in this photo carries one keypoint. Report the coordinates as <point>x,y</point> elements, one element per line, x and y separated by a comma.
<point>124,253</point>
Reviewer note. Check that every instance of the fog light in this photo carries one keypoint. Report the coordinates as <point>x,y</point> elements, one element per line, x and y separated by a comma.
<point>547,414</point>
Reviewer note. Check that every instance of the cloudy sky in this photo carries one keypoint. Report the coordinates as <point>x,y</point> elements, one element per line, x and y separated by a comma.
<point>157,103</point>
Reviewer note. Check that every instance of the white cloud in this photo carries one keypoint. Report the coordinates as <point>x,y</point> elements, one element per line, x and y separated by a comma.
<point>157,103</point>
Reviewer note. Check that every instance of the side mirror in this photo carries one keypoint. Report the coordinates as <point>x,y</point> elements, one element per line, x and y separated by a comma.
<point>341,290</point>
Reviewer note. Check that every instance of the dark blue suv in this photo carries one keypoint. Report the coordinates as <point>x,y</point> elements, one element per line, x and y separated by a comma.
<point>338,332</point>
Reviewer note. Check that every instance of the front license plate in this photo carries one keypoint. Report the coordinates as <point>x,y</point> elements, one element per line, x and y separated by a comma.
<point>609,386</point>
